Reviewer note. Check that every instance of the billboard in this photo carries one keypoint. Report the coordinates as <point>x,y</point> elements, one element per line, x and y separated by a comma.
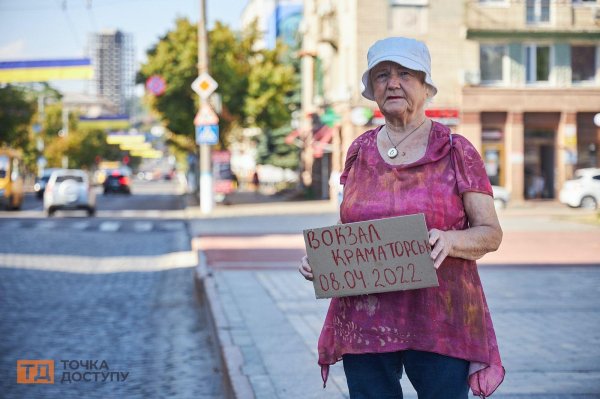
<point>44,70</point>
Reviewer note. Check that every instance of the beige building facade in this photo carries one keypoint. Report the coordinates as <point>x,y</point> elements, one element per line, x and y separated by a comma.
<point>520,79</point>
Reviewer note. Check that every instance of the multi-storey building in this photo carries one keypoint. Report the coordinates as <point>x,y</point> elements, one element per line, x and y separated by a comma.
<point>532,106</point>
<point>276,19</point>
<point>112,55</point>
<point>519,78</point>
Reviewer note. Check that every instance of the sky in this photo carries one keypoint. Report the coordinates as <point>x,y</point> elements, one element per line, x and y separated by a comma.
<point>54,29</point>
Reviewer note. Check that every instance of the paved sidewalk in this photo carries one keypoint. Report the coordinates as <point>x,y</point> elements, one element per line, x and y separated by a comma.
<point>267,320</point>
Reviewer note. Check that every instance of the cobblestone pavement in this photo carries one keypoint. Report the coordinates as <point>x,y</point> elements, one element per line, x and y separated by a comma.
<point>547,322</point>
<point>124,296</point>
<point>546,317</point>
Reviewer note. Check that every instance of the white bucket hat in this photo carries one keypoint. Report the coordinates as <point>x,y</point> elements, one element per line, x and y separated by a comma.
<point>409,53</point>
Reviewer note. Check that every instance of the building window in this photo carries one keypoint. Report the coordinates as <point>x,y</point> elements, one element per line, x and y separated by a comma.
<point>583,63</point>
<point>537,63</point>
<point>577,2</point>
<point>538,11</point>
<point>407,20</point>
<point>490,62</point>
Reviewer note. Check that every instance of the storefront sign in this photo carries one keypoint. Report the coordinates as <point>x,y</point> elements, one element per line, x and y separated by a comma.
<point>381,255</point>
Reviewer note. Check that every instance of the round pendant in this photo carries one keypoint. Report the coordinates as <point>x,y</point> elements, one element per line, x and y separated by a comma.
<point>392,152</point>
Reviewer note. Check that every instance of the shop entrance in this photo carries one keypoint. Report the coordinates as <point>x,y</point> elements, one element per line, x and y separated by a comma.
<point>539,164</point>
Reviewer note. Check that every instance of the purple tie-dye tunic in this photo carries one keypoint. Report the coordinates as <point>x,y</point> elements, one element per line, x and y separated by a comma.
<point>452,319</point>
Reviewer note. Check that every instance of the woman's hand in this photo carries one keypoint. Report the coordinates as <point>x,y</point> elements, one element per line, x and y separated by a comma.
<point>305,269</point>
<point>441,245</point>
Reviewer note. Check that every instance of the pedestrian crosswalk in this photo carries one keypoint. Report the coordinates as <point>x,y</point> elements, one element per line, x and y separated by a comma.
<point>97,225</point>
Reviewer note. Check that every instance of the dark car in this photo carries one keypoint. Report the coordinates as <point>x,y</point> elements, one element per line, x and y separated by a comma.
<point>41,182</point>
<point>117,181</point>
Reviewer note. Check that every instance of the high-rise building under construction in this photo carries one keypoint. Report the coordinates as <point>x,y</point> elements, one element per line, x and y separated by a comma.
<point>113,55</point>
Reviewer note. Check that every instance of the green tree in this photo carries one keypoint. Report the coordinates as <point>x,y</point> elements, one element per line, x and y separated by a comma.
<point>254,84</point>
<point>82,144</point>
<point>16,112</point>
<point>174,58</point>
<point>273,149</point>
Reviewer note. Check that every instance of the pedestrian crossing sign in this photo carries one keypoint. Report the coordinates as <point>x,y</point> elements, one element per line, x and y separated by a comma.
<point>207,134</point>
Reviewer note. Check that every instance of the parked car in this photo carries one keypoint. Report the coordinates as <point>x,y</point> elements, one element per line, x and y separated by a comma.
<point>583,190</point>
<point>69,189</point>
<point>501,197</point>
<point>117,181</point>
<point>42,181</point>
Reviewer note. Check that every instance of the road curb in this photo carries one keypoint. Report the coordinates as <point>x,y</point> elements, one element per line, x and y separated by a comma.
<point>236,383</point>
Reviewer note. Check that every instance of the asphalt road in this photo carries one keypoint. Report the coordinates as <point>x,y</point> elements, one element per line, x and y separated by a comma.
<point>110,300</point>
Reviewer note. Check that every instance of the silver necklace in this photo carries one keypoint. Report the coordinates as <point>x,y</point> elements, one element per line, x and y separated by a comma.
<point>393,152</point>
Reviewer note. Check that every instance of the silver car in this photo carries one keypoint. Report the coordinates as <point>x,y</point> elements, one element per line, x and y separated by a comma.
<point>69,189</point>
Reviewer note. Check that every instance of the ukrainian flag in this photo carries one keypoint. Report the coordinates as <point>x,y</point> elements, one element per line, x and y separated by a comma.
<point>44,70</point>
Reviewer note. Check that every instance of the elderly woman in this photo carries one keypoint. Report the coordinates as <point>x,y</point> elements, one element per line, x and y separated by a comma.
<point>442,337</point>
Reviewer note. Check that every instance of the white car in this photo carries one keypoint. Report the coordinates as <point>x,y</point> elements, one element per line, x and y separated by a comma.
<point>583,190</point>
<point>69,189</point>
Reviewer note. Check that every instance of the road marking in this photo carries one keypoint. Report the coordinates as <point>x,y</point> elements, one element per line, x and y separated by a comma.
<point>143,226</point>
<point>127,213</point>
<point>172,226</point>
<point>81,225</point>
<point>98,265</point>
<point>109,226</point>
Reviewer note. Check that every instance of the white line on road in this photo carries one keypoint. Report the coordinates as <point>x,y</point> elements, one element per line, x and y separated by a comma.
<point>143,226</point>
<point>94,265</point>
<point>109,226</point>
<point>81,225</point>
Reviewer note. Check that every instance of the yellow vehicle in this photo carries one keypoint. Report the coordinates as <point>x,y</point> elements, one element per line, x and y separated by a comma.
<point>11,179</point>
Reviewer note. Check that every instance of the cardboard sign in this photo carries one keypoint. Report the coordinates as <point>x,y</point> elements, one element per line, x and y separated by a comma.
<point>381,255</point>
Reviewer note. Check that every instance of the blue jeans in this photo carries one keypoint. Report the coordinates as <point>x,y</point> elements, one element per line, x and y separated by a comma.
<point>377,375</point>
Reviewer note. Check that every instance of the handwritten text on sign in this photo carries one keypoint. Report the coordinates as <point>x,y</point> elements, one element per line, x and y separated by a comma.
<point>381,255</point>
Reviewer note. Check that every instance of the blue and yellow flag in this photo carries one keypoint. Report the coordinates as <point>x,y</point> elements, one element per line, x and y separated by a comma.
<point>44,70</point>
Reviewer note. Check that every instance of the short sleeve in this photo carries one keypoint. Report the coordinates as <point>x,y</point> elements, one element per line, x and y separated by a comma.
<point>469,167</point>
<point>350,158</point>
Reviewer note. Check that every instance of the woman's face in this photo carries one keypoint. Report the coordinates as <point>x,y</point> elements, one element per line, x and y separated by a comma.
<point>399,92</point>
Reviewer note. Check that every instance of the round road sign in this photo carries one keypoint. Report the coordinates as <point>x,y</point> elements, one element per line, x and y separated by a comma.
<point>156,85</point>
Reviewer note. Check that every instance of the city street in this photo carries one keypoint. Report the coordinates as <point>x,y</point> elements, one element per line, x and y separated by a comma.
<point>116,288</point>
<point>119,288</point>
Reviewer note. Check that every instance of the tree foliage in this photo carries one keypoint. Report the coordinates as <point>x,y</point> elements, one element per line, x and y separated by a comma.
<point>81,147</point>
<point>254,84</point>
<point>174,58</point>
<point>16,112</point>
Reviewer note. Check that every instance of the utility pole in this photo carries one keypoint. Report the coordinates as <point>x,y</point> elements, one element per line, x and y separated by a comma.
<point>65,132</point>
<point>206,180</point>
